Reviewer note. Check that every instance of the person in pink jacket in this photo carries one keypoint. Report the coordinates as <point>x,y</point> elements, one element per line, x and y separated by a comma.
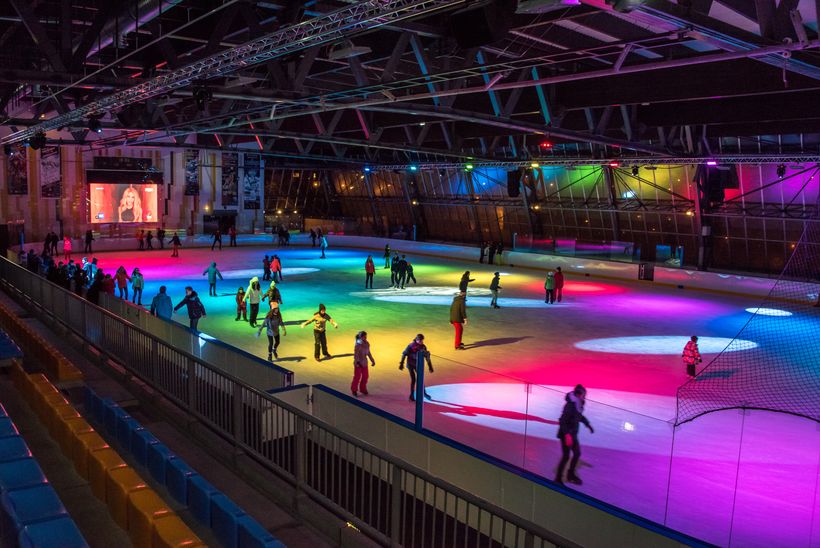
<point>67,248</point>
<point>691,356</point>
<point>361,353</point>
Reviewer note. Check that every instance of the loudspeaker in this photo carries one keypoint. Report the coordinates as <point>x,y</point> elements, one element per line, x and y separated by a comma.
<point>514,184</point>
<point>481,24</point>
<point>4,239</point>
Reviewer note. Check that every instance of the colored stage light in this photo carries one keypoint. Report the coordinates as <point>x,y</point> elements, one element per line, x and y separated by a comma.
<point>663,344</point>
<point>414,168</point>
<point>628,194</point>
<point>711,163</point>
<point>546,144</point>
<point>614,164</point>
<point>468,167</point>
<point>768,312</point>
<point>535,165</point>
<point>367,169</point>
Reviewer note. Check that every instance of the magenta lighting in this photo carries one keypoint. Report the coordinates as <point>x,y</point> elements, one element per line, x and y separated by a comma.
<point>711,163</point>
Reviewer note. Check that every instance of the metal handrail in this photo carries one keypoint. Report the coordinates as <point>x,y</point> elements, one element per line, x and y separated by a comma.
<point>243,395</point>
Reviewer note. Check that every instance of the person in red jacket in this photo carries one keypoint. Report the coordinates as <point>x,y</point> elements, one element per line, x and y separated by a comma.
<point>369,270</point>
<point>361,353</point>
<point>276,268</point>
<point>559,284</point>
<point>691,356</point>
<point>108,284</point>
<point>122,279</point>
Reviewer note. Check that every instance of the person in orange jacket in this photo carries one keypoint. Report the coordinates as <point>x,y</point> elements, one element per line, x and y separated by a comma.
<point>691,356</point>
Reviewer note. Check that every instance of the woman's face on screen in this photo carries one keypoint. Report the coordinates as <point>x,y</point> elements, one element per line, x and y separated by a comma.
<point>129,199</point>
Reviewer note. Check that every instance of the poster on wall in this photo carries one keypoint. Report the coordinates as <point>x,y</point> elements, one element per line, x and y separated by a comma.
<point>253,172</point>
<point>230,179</point>
<point>50,174</point>
<point>16,170</point>
<point>191,159</point>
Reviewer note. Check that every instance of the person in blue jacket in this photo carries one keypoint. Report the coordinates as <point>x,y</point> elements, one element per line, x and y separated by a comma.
<point>161,305</point>
<point>213,273</point>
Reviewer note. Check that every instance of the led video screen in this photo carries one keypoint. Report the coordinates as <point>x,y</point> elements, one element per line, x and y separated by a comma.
<point>123,203</point>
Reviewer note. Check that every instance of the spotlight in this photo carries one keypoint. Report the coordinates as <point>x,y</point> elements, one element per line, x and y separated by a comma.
<point>468,167</point>
<point>94,125</point>
<point>635,170</point>
<point>535,165</point>
<point>781,171</point>
<point>614,164</point>
<point>414,168</point>
<point>38,141</point>
<point>711,163</point>
<point>366,169</point>
<point>545,144</point>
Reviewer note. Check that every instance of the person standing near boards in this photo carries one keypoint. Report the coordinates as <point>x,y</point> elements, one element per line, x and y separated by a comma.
<point>137,285</point>
<point>369,270</point>
<point>549,288</point>
<point>148,239</point>
<point>273,322</point>
<point>312,238</point>
<point>265,269</point>
<point>559,284</point>
<point>386,256</point>
<point>482,249</point>
<point>361,353</point>
<point>161,237</point>
<point>217,239</point>
<point>691,356</point>
<point>232,235</point>
<point>411,354</point>
<point>491,253</point>
<point>161,305</point>
<point>458,317</point>
<point>494,289</point>
<point>175,244</point>
<point>276,268</point>
<point>319,321</point>
<point>571,418</point>
<point>89,237</point>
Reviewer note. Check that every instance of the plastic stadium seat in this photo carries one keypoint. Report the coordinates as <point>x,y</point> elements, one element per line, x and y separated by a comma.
<point>177,473</point>
<point>141,440</point>
<point>99,409</point>
<point>84,445</point>
<point>90,399</point>
<point>57,418</point>
<point>120,484</point>
<point>99,464</point>
<point>225,520</point>
<point>144,508</point>
<point>253,535</point>
<point>20,473</point>
<point>111,414</point>
<point>13,449</point>
<point>200,493</point>
<point>68,429</point>
<point>171,532</point>
<point>125,427</point>
<point>158,457</point>
<point>7,428</point>
<point>60,532</point>
<point>31,504</point>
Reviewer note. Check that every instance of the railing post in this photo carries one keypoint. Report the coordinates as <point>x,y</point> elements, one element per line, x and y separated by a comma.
<point>190,371</point>
<point>395,506</point>
<point>300,461</point>
<point>237,412</point>
<point>419,391</point>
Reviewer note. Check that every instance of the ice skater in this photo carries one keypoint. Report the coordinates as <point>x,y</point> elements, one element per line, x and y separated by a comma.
<point>141,239</point>
<point>491,253</point>
<point>161,306</point>
<point>410,275</point>
<point>232,236</point>
<point>369,270</point>
<point>458,317</point>
<point>361,353</point>
<point>411,354</point>
<point>273,295</point>
<point>213,273</point>
<point>276,268</point>
<point>691,356</point>
<point>559,284</point>
<point>494,289</point>
<point>241,306</point>
<point>401,272</point>
<point>196,309</point>
<point>67,248</point>
<point>272,323</point>
<point>482,249</point>
<point>175,244</point>
<point>148,239</point>
<point>137,285</point>
<point>465,281</point>
<point>386,256</point>
<point>313,237</point>
<point>89,237</point>
<point>319,321</point>
<point>122,279</point>
<point>394,269</point>
<point>161,237</point>
<point>568,424</point>
<point>549,288</point>
<point>217,239</point>
<point>265,269</point>
<point>323,246</point>
<point>253,295</point>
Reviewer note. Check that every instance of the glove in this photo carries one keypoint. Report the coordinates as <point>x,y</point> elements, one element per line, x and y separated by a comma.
<point>401,367</point>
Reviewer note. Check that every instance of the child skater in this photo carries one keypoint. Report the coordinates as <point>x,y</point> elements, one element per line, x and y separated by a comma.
<point>241,306</point>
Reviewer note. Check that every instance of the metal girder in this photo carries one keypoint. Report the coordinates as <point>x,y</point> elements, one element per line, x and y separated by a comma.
<point>38,33</point>
<point>345,22</point>
<point>624,161</point>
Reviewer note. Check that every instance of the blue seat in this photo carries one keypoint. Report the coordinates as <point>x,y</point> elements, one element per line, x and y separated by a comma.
<point>125,427</point>
<point>111,414</point>
<point>225,520</point>
<point>60,532</point>
<point>20,473</point>
<point>177,473</point>
<point>200,493</point>
<point>13,448</point>
<point>253,535</point>
<point>99,407</point>
<point>158,457</point>
<point>31,504</point>
<point>7,428</point>
<point>91,401</point>
<point>141,440</point>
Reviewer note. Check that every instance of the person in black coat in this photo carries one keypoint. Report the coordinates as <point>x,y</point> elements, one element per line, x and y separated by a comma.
<point>465,281</point>
<point>571,418</point>
<point>401,272</point>
<point>196,309</point>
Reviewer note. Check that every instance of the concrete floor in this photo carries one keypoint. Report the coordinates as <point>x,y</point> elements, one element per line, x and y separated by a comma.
<point>714,478</point>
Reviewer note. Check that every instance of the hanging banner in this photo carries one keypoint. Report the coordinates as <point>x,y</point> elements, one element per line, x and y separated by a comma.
<point>191,159</point>
<point>16,170</point>
<point>253,172</point>
<point>50,175</point>
<point>230,179</point>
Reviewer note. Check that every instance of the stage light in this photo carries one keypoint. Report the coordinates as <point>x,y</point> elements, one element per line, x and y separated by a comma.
<point>468,167</point>
<point>367,169</point>
<point>202,95</point>
<point>535,165</point>
<point>614,164</point>
<point>690,213</point>
<point>315,184</point>
<point>278,211</point>
<point>38,141</point>
<point>414,168</point>
<point>711,163</point>
<point>781,171</point>
<point>94,125</point>
<point>415,202</point>
<point>546,144</point>
<point>628,194</point>
<point>635,170</point>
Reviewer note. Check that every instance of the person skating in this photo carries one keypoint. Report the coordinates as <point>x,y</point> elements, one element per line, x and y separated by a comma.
<point>273,295</point>
<point>67,248</point>
<point>137,285</point>
<point>122,279</point>
<point>319,321</point>
<point>691,356</point>
<point>361,353</point>
<point>559,284</point>
<point>89,237</point>
<point>196,309</point>
<point>272,323</point>
<point>499,253</point>
<point>141,239</point>
<point>265,269</point>
<point>568,424</point>
<point>394,269</point>
<point>491,253</point>
<point>494,289</point>
<point>213,273</point>
<point>323,246</point>
<point>458,317</point>
<point>410,275</point>
<point>161,237</point>
<point>241,306</point>
<point>465,281</point>
<point>253,295</point>
<point>148,239</point>
<point>482,249</point>
<point>161,305</point>
<point>401,272</point>
<point>232,236</point>
<point>217,240</point>
<point>312,238</point>
<point>549,288</point>
<point>369,270</point>
<point>175,244</point>
<point>90,269</point>
<point>386,256</point>
<point>276,269</point>
<point>411,354</point>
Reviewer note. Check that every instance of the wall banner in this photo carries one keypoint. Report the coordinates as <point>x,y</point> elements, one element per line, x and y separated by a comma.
<point>191,159</point>
<point>230,179</point>
<point>17,170</point>
<point>51,179</point>
<point>252,177</point>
